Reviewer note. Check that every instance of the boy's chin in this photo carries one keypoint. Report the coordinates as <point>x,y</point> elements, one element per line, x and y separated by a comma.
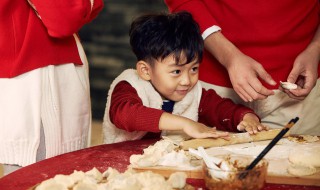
<point>176,99</point>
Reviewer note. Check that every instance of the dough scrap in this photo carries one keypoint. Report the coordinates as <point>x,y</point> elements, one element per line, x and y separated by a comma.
<point>178,180</point>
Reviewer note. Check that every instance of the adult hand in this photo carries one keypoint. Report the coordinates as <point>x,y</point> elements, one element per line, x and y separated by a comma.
<point>244,72</point>
<point>304,73</point>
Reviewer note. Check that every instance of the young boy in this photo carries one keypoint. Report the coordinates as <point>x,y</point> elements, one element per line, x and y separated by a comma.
<point>164,93</point>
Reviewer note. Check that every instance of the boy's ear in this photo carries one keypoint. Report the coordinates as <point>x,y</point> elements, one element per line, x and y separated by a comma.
<point>143,70</point>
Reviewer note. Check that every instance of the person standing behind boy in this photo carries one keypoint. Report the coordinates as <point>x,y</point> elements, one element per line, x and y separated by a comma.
<point>250,46</point>
<point>44,101</point>
<point>164,93</point>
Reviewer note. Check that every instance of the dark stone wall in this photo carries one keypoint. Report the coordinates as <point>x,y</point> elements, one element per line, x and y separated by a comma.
<point>106,43</point>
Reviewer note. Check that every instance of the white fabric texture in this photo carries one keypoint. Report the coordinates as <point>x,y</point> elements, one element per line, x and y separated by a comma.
<point>56,97</point>
<point>277,110</point>
<point>210,31</point>
<point>188,107</point>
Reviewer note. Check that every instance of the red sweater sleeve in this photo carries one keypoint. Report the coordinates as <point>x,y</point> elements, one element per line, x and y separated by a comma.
<point>65,17</point>
<point>128,113</point>
<point>220,112</point>
<point>198,10</point>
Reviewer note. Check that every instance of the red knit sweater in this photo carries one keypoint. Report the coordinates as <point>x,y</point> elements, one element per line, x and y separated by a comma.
<point>272,33</point>
<point>29,43</point>
<point>128,113</point>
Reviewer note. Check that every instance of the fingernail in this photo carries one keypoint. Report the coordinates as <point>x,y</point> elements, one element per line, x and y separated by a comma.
<point>273,82</point>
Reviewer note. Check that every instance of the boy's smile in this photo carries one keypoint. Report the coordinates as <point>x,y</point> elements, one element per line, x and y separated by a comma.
<point>173,81</point>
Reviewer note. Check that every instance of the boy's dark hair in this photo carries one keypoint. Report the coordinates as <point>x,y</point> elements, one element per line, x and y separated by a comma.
<point>155,36</point>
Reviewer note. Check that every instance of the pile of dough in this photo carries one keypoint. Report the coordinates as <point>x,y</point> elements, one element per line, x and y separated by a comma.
<point>111,179</point>
<point>163,153</point>
<point>304,160</point>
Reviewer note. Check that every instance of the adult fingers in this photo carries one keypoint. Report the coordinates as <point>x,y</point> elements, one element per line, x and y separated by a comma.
<point>264,75</point>
<point>243,94</point>
<point>260,91</point>
<point>298,94</point>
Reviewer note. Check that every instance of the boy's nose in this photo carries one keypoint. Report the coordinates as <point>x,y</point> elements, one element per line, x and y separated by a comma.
<point>185,80</point>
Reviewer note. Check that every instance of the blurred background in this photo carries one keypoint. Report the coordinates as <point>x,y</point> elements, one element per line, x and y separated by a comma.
<point>106,43</point>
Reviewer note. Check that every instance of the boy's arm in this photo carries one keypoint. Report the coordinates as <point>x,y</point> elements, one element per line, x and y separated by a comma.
<point>192,128</point>
<point>128,113</point>
<point>220,112</point>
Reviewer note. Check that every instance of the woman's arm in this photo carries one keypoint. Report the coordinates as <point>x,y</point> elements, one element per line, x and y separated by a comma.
<point>65,17</point>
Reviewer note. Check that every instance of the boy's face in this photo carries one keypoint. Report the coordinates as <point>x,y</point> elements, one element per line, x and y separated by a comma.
<point>173,81</point>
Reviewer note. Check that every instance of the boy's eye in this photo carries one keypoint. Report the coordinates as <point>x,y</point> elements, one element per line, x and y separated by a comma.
<point>176,72</point>
<point>195,69</point>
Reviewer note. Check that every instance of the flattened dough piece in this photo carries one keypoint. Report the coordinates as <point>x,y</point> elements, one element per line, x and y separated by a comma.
<point>304,160</point>
<point>306,156</point>
<point>300,170</point>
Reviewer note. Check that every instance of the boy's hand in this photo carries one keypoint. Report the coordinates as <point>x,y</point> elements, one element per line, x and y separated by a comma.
<point>192,128</point>
<point>199,130</point>
<point>251,124</point>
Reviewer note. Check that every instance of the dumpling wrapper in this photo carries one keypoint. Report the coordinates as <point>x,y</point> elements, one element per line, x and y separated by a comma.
<point>288,85</point>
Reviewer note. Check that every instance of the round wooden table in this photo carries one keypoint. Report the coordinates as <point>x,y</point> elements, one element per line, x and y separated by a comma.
<point>103,156</point>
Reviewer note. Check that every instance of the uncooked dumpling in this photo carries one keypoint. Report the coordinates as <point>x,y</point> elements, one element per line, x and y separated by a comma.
<point>288,85</point>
